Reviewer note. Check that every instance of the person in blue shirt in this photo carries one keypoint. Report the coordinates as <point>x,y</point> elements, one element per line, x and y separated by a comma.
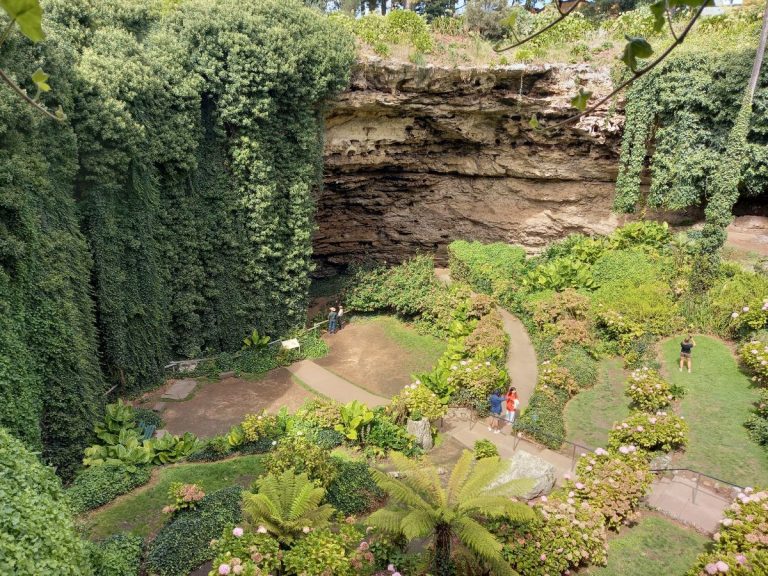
<point>495,400</point>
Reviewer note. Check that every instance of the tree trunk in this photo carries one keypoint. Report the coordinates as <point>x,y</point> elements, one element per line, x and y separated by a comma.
<point>443,550</point>
<point>725,184</point>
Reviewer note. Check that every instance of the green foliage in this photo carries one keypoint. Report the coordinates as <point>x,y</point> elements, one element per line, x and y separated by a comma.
<point>484,449</point>
<point>420,507</point>
<point>119,555</point>
<point>326,552</point>
<point>299,454</point>
<point>488,268</point>
<point>757,423</point>
<point>183,497</point>
<point>28,15</point>
<point>355,417</point>
<point>287,505</point>
<point>417,401</point>
<point>397,27</point>
<point>754,355</point>
<point>99,485</point>
<point>255,340</point>
<point>543,418</point>
<point>386,435</point>
<point>582,367</point>
<point>730,292</point>
<point>148,418</point>
<point>661,431</point>
<point>488,341</point>
<point>261,425</point>
<point>37,535</point>
<point>169,448</point>
<point>182,544</point>
<point>255,553</point>
<point>129,451</point>
<point>353,491</point>
<point>118,418</point>
<point>559,274</point>
<point>648,390</point>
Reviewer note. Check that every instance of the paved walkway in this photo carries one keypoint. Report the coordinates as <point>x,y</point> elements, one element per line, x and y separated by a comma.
<point>332,386</point>
<point>521,358</point>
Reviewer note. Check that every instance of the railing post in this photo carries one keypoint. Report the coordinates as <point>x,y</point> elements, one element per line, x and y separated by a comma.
<point>696,488</point>
<point>573,458</point>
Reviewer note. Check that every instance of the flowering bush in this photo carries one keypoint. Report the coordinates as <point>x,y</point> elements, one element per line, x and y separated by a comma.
<point>757,423</point>
<point>648,390</point>
<point>245,554</point>
<point>183,496</point>
<point>325,553</point>
<point>754,355</point>
<point>568,534</point>
<point>660,431</point>
<point>552,376</point>
<point>488,341</point>
<point>747,318</point>
<point>320,413</point>
<point>612,482</point>
<point>620,328</point>
<point>262,425</point>
<point>476,379</point>
<point>741,545</point>
<point>418,402</point>
<point>299,454</point>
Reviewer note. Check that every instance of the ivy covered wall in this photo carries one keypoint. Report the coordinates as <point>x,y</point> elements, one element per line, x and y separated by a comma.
<point>679,117</point>
<point>171,213</point>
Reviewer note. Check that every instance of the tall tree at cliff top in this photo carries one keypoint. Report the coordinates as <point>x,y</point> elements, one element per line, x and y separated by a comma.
<point>725,187</point>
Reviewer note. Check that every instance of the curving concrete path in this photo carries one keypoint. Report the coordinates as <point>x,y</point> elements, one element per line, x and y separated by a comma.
<point>521,358</point>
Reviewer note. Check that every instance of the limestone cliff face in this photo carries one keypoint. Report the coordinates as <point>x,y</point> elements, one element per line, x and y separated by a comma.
<point>417,157</point>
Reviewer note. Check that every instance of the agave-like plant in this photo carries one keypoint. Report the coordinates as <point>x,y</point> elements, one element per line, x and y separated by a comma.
<point>419,507</point>
<point>287,505</point>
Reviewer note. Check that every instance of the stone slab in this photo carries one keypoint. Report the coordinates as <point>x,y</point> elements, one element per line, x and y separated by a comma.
<point>225,375</point>
<point>159,407</point>
<point>180,389</point>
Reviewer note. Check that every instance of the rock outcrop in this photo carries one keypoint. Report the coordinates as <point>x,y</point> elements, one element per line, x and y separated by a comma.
<point>417,157</point>
<point>524,465</point>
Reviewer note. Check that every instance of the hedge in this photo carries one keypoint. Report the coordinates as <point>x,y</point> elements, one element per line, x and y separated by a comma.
<point>119,555</point>
<point>99,485</point>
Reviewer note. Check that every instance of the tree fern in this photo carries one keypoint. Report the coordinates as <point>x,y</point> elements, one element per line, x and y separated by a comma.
<point>419,506</point>
<point>286,505</point>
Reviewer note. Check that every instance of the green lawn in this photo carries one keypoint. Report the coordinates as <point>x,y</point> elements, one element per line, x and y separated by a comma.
<point>426,348</point>
<point>590,414</point>
<point>718,402</point>
<point>140,512</point>
<point>655,546</point>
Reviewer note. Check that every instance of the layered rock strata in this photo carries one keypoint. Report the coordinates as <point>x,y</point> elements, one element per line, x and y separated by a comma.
<point>416,157</point>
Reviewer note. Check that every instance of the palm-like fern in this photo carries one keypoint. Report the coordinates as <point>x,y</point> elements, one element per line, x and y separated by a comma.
<point>287,504</point>
<point>420,507</point>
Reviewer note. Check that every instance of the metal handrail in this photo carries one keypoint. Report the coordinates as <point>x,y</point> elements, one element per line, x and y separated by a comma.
<point>715,478</point>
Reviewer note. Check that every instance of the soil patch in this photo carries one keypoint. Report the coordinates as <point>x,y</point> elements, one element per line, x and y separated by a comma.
<point>217,406</point>
<point>379,354</point>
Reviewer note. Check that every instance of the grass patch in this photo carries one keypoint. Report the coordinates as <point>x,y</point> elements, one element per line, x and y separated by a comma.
<point>654,546</point>
<point>419,346</point>
<point>590,414</point>
<point>718,401</point>
<point>140,512</point>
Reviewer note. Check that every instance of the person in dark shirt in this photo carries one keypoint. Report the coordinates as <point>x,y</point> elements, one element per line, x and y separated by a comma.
<point>685,352</point>
<point>495,423</point>
<point>332,318</point>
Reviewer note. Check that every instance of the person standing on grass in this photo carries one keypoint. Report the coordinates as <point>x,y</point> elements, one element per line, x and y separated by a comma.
<point>495,400</point>
<point>332,318</point>
<point>685,352</point>
<point>512,404</point>
<point>339,315</point>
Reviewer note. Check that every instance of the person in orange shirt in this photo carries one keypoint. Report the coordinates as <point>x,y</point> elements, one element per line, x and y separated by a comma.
<point>512,404</point>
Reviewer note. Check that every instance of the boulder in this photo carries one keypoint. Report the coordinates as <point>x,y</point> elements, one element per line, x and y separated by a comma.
<point>422,430</point>
<point>661,462</point>
<point>526,465</point>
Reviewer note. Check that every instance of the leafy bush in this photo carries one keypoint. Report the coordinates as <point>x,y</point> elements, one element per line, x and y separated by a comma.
<point>624,331</point>
<point>650,305</point>
<point>559,274</point>
<point>211,450</point>
<point>660,431</point>
<point>417,402</point>
<point>128,452</point>
<point>757,423</point>
<point>749,318</point>
<point>488,341</point>
<point>474,381</point>
<point>168,449</point>
<point>485,449</point>
<point>543,418</point>
<point>486,267</point>
<point>119,555</point>
<point>255,553</point>
<point>612,483</point>
<point>353,490</point>
<point>182,544</point>
<point>355,419</point>
<point>148,417</point>
<point>729,294</point>
<point>183,497</point>
<point>326,552</point>
<point>648,390</point>
<point>565,537</point>
<point>301,455</point>
<point>582,367</point>
<point>326,438</point>
<point>557,378</point>
<point>320,413</point>
<point>262,425</point>
<point>99,485</point>
<point>625,268</point>
<point>118,418</point>
<point>38,535</point>
<point>387,435</point>
<point>739,546</point>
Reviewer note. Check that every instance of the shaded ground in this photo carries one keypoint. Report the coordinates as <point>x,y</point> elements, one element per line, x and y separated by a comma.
<point>749,234</point>
<point>380,354</point>
<point>590,414</point>
<point>655,545</point>
<point>215,407</point>
<point>719,399</point>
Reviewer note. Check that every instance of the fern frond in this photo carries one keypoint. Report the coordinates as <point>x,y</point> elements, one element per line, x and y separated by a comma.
<point>498,506</point>
<point>484,473</point>
<point>418,524</point>
<point>513,487</point>
<point>305,498</point>
<point>388,520</point>
<point>399,491</point>
<point>484,544</point>
<point>459,475</point>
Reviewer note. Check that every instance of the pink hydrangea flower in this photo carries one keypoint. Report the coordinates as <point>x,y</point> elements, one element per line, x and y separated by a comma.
<point>306,529</point>
<point>237,532</point>
<point>741,559</point>
<point>711,568</point>
<point>261,530</point>
<point>601,452</point>
<point>579,486</point>
<point>390,567</point>
<point>224,569</point>
<point>722,566</point>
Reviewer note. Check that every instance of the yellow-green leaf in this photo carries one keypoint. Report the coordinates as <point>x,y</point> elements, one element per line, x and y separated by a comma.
<point>635,48</point>
<point>28,15</point>
<point>534,122</point>
<point>580,100</point>
<point>40,79</point>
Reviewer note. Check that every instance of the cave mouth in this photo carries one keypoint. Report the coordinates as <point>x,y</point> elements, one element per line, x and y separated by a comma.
<point>752,206</point>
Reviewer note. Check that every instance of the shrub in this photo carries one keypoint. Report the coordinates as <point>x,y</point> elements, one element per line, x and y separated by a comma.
<point>301,455</point>
<point>648,390</point>
<point>355,420</point>
<point>488,341</point>
<point>418,401</point>
<point>757,423</point>
<point>326,552</point>
<point>320,413</point>
<point>353,490</point>
<point>215,448</point>
<point>183,544</point>
<point>37,535</point>
<point>169,448</point>
<point>739,547</point>
<point>749,318</point>
<point>660,431</point>
<point>730,293</point>
<point>474,381</point>
<point>256,553</point>
<point>562,317</point>
<point>485,267</point>
<point>183,497</point>
<point>405,26</point>
<point>485,449</point>
<point>754,355</point>
<point>98,485</point>
<point>612,483</point>
<point>618,327</point>
<point>119,555</point>
<point>649,305</point>
<point>554,377</point>
<point>148,417</point>
<point>543,418</point>
<point>261,425</point>
<point>326,438</point>
<point>446,305</point>
<point>582,367</point>
<point>387,435</point>
<point>567,535</point>
<point>559,274</point>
